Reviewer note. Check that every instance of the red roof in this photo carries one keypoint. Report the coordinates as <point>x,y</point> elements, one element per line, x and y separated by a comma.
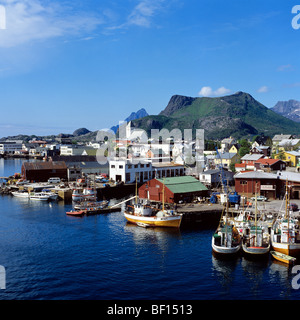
<point>240,165</point>
<point>267,161</point>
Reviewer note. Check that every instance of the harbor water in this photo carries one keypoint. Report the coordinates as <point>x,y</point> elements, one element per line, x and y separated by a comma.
<point>48,255</point>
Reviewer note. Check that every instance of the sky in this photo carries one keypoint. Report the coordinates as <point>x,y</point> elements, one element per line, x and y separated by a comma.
<point>66,64</point>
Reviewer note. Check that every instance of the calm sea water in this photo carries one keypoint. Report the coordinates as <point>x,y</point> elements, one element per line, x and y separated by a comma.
<point>48,255</point>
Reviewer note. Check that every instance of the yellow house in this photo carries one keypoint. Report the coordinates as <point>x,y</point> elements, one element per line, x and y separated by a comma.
<point>233,149</point>
<point>227,159</point>
<point>290,157</point>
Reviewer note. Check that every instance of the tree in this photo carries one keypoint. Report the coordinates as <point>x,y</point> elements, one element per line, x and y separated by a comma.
<point>243,151</point>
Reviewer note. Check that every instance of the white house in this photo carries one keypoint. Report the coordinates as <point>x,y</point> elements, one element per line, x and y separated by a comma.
<point>128,171</point>
<point>73,150</point>
<point>10,147</point>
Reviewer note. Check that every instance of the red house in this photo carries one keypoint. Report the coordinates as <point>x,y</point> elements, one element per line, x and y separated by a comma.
<point>173,189</point>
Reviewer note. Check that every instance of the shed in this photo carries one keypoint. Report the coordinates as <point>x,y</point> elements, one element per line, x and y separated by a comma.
<point>183,188</point>
<point>42,171</point>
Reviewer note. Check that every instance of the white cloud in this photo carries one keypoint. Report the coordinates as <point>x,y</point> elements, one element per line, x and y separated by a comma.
<point>32,20</point>
<point>142,13</point>
<point>209,92</point>
<point>286,67</point>
<point>263,89</point>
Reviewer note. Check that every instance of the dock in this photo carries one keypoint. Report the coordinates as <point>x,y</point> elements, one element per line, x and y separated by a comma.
<point>204,214</point>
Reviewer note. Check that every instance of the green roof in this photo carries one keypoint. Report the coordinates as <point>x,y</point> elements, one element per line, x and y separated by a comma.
<point>184,184</point>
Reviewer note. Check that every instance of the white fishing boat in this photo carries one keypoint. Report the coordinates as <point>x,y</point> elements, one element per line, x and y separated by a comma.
<point>285,232</point>
<point>52,195</point>
<point>89,194</point>
<point>21,194</point>
<point>77,195</point>
<point>256,239</point>
<point>40,196</point>
<point>226,240</point>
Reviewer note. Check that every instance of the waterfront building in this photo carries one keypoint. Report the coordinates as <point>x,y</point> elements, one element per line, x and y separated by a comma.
<point>173,189</point>
<point>10,147</point>
<point>42,171</point>
<point>128,171</point>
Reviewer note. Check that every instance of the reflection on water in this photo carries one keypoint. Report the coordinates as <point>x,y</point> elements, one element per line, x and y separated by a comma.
<point>160,237</point>
<point>224,269</point>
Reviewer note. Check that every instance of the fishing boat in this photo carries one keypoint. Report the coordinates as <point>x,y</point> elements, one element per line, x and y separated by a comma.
<point>143,214</point>
<point>285,233</point>
<point>89,194</point>
<point>283,257</point>
<point>256,239</point>
<point>76,213</point>
<point>91,204</point>
<point>226,240</point>
<point>77,194</point>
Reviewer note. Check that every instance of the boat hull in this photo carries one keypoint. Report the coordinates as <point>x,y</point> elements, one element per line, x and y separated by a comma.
<point>290,249</point>
<point>170,221</point>
<point>76,213</point>
<point>225,250</point>
<point>283,257</point>
<point>21,195</point>
<point>256,251</point>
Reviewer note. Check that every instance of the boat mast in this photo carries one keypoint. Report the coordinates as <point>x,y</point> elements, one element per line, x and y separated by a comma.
<point>135,189</point>
<point>256,216</point>
<point>163,200</point>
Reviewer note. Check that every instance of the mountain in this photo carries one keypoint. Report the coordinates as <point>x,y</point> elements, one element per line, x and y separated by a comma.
<point>289,109</point>
<point>133,116</point>
<point>238,115</point>
<point>80,132</point>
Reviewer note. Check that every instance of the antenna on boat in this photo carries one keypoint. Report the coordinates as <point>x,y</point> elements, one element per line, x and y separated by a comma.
<point>135,188</point>
<point>163,207</point>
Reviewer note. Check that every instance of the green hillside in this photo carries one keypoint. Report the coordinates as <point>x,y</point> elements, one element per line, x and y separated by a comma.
<point>238,115</point>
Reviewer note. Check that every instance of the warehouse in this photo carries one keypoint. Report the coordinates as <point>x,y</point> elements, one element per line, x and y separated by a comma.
<point>42,171</point>
<point>175,189</point>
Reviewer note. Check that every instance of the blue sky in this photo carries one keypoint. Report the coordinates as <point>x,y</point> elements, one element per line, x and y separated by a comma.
<point>71,64</point>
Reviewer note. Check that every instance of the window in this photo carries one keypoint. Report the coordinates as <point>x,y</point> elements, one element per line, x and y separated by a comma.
<point>244,182</point>
<point>120,167</point>
<point>112,166</point>
<point>129,166</point>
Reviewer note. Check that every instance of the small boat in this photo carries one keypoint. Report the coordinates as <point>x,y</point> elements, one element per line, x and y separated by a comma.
<point>20,194</point>
<point>76,213</point>
<point>283,257</point>
<point>39,196</point>
<point>52,195</point>
<point>142,224</point>
<point>92,206</point>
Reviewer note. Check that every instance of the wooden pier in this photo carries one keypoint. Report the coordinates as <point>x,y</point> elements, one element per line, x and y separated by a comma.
<point>200,214</point>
